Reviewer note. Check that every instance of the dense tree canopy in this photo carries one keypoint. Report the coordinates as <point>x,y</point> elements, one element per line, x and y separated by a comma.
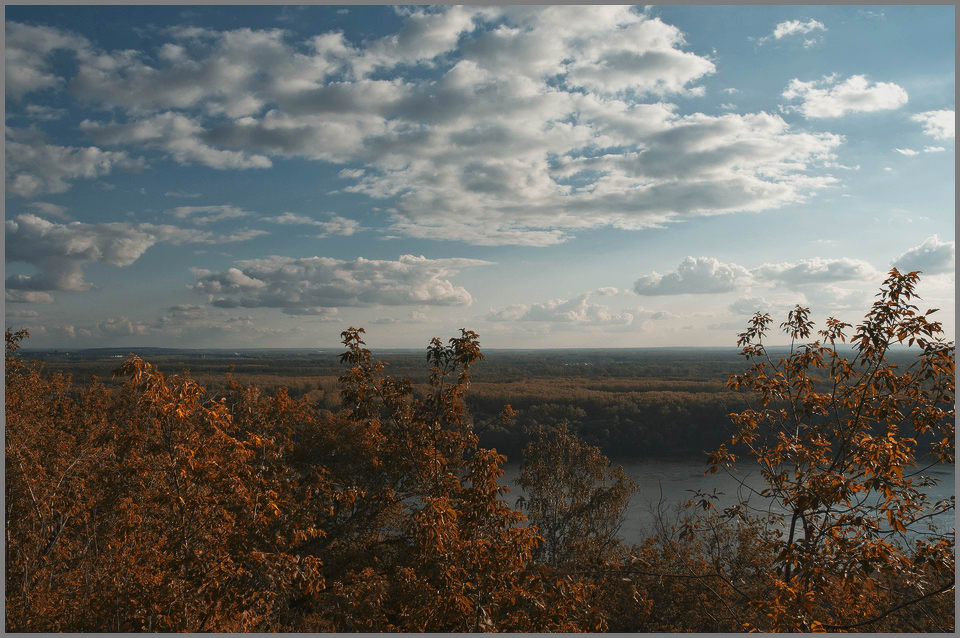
<point>160,505</point>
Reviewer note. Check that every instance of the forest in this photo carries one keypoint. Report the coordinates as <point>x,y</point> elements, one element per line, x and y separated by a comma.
<point>165,491</point>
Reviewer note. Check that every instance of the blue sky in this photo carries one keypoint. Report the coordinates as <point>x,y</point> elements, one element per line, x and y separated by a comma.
<point>547,176</point>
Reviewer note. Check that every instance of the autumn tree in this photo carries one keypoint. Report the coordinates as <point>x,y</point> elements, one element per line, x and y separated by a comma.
<point>444,550</point>
<point>836,439</point>
<point>163,506</point>
<point>573,496</point>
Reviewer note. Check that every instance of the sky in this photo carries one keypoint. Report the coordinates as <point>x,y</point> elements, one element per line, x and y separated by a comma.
<point>548,176</point>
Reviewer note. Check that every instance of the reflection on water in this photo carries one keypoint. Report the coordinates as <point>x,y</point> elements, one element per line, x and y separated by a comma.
<point>675,479</point>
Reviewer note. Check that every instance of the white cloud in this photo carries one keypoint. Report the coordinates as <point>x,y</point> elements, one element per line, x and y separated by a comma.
<point>938,124</point>
<point>122,326</point>
<point>572,311</point>
<point>828,298</point>
<point>707,275</point>
<point>59,252</point>
<point>180,193</point>
<point>811,271</point>
<point>177,134</point>
<point>750,305</point>
<point>208,214</point>
<point>827,98</point>
<point>27,52</point>
<point>606,291</point>
<point>323,282</point>
<point>27,296</point>
<point>34,168</point>
<point>789,28</point>
<point>50,210</point>
<point>794,27</point>
<point>730,91</point>
<point>641,54</point>
<point>664,315</point>
<point>704,275</point>
<point>907,151</point>
<point>932,257</point>
<point>547,105</point>
<point>832,164</point>
<point>425,34</point>
<point>933,149</point>
<point>415,317</point>
<point>22,314</point>
<point>351,173</point>
<point>336,225</point>
<point>178,235</point>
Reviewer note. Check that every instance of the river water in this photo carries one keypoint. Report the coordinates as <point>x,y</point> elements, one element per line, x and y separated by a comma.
<point>675,479</point>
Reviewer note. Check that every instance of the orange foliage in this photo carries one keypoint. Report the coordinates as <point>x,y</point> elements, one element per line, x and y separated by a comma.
<point>160,506</point>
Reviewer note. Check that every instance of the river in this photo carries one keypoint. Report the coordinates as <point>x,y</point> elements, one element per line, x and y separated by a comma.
<point>675,479</point>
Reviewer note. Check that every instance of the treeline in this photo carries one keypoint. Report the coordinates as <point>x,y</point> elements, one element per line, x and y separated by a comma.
<point>614,401</point>
<point>622,421</point>
<point>630,404</point>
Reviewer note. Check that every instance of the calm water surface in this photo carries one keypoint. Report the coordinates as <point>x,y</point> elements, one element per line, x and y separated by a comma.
<point>674,479</point>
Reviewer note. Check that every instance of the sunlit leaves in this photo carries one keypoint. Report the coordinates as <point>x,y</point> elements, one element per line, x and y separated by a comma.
<point>839,442</point>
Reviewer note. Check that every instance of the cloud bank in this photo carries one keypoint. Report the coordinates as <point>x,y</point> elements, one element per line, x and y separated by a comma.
<point>309,285</point>
<point>567,116</point>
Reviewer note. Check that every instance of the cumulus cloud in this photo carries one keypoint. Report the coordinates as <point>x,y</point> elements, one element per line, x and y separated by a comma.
<point>59,252</point>
<point>540,120</point>
<point>828,98</point>
<point>938,124</point>
<point>178,135</point>
<point>34,167</point>
<point>425,34</point>
<point>573,311</point>
<point>607,290</point>
<point>415,317</point>
<point>933,149</point>
<point>122,326</point>
<point>641,54</point>
<point>22,314</point>
<point>707,275</point>
<point>27,51</point>
<point>704,275</point>
<point>300,285</point>
<point>27,296</point>
<point>750,305</point>
<point>50,210</point>
<point>815,271</point>
<point>932,257</point>
<point>791,27</point>
<point>663,315</point>
<point>335,225</point>
<point>198,322</point>
<point>907,151</point>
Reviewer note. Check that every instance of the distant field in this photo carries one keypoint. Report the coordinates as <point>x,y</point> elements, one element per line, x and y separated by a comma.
<point>630,402</point>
